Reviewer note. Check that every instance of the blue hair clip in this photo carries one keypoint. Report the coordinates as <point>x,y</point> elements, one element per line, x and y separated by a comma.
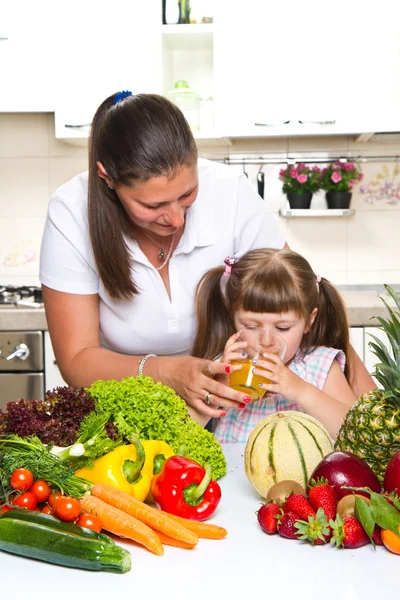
<point>121,95</point>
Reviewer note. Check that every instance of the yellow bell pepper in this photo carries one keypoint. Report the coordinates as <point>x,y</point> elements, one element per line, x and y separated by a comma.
<point>129,468</point>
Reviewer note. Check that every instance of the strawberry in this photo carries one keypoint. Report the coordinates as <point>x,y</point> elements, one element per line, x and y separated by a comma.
<point>286,525</point>
<point>268,516</point>
<point>348,533</point>
<point>376,536</point>
<point>322,495</point>
<point>315,528</point>
<point>300,505</point>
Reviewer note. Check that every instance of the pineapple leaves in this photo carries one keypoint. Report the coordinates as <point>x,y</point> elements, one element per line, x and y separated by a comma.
<point>394,295</point>
<point>387,370</point>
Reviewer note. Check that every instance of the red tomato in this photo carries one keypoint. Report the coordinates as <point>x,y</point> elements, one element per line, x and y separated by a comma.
<point>54,496</point>
<point>67,508</point>
<point>21,479</point>
<point>47,510</point>
<point>41,489</point>
<point>5,508</point>
<point>26,500</point>
<point>90,521</point>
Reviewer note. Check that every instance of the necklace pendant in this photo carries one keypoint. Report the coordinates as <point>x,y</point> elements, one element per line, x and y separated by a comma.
<point>161,254</point>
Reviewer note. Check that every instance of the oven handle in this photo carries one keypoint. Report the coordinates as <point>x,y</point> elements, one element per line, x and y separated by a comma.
<point>21,352</point>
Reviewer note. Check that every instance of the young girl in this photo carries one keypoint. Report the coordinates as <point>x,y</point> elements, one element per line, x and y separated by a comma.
<point>277,290</point>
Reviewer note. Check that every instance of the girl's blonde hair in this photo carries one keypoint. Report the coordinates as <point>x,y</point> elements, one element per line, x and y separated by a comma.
<point>268,281</point>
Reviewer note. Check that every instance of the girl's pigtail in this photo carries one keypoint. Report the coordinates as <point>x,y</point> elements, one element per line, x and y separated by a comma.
<point>214,323</point>
<point>330,327</point>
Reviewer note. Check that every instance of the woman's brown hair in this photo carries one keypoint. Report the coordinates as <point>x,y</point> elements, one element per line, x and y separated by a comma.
<point>268,281</point>
<point>137,138</point>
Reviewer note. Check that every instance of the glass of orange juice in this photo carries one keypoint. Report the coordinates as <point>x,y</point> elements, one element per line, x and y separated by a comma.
<point>259,341</point>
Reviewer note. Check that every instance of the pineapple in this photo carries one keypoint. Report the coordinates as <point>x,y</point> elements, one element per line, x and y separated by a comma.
<point>371,428</point>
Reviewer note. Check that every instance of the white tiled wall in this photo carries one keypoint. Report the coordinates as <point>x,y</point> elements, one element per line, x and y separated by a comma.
<point>360,249</point>
<point>33,164</point>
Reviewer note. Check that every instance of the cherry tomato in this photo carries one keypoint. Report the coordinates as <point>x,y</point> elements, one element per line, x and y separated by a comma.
<point>21,479</point>
<point>47,510</point>
<point>5,508</point>
<point>67,508</point>
<point>26,500</point>
<point>54,496</point>
<point>90,521</point>
<point>41,489</point>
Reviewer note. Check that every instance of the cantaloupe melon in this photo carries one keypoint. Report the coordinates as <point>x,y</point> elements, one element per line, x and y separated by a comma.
<point>286,445</point>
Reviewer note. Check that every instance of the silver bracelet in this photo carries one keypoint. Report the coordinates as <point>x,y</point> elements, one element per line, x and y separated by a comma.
<point>142,362</point>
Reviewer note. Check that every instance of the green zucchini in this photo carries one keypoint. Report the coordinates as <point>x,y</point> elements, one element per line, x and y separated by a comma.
<point>54,523</point>
<point>35,540</point>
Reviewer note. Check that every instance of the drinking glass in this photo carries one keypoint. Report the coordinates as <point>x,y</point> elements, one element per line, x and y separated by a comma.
<point>259,341</point>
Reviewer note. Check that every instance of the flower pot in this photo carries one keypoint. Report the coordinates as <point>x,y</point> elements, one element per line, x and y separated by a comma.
<point>299,200</point>
<point>336,199</point>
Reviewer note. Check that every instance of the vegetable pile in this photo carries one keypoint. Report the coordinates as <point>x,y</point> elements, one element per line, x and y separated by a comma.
<point>108,414</point>
<point>42,523</point>
<point>156,412</point>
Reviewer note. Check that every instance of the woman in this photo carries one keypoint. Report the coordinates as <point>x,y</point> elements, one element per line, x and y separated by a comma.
<point>125,245</point>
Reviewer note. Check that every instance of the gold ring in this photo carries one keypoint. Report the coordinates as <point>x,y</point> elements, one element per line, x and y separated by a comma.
<point>207,399</point>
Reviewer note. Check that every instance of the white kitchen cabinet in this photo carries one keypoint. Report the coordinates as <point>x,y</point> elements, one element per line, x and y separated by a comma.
<point>105,51</point>
<point>28,57</point>
<point>357,340</point>
<point>52,373</point>
<point>275,63</point>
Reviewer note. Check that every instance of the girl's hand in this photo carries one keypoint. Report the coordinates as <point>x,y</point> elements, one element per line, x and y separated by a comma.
<point>283,380</point>
<point>233,351</point>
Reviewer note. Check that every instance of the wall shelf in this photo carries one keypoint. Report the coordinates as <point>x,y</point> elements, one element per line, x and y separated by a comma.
<point>288,213</point>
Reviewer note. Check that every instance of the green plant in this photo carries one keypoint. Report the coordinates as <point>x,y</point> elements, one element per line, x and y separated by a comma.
<point>371,427</point>
<point>300,178</point>
<point>340,176</point>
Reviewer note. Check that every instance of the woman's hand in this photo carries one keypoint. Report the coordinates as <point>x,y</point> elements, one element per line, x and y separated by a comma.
<point>194,380</point>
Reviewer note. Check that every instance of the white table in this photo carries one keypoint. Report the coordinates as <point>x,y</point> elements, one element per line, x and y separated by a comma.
<point>246,563</point>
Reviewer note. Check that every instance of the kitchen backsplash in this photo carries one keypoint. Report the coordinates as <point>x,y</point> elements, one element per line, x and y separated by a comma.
<point>362,249</point>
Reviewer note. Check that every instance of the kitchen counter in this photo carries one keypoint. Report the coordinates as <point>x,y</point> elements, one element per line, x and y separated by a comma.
<point>22,319</point>
<point>247,563</point>
<point>362,304</point>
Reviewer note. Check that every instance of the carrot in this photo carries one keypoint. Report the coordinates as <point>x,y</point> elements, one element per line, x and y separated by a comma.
<point>170,541</point>
<point>118,522</point>
<point>147,514</point>
<point>201,529</point>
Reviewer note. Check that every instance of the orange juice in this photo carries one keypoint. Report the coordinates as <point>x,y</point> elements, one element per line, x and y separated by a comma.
<point>244,380</point>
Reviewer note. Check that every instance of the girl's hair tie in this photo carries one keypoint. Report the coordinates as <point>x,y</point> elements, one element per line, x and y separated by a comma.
<point>318,278</point>
<point>121,95</point>
<point>229,262</point>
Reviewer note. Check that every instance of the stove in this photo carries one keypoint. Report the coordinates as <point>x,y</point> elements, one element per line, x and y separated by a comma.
<point>16,296</point>
<point>21,352</point>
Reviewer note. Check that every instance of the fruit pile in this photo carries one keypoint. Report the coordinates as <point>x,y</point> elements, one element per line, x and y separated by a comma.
<point>343,504</point>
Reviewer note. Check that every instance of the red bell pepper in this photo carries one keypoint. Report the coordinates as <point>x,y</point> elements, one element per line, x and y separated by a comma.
<point>185,489</point>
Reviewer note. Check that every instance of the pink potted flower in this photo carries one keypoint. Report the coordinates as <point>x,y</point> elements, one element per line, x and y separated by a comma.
<point>299,184</point>
<point>338,180</point>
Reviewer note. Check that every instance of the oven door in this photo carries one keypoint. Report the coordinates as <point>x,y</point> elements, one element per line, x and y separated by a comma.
<point>21,385</point>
